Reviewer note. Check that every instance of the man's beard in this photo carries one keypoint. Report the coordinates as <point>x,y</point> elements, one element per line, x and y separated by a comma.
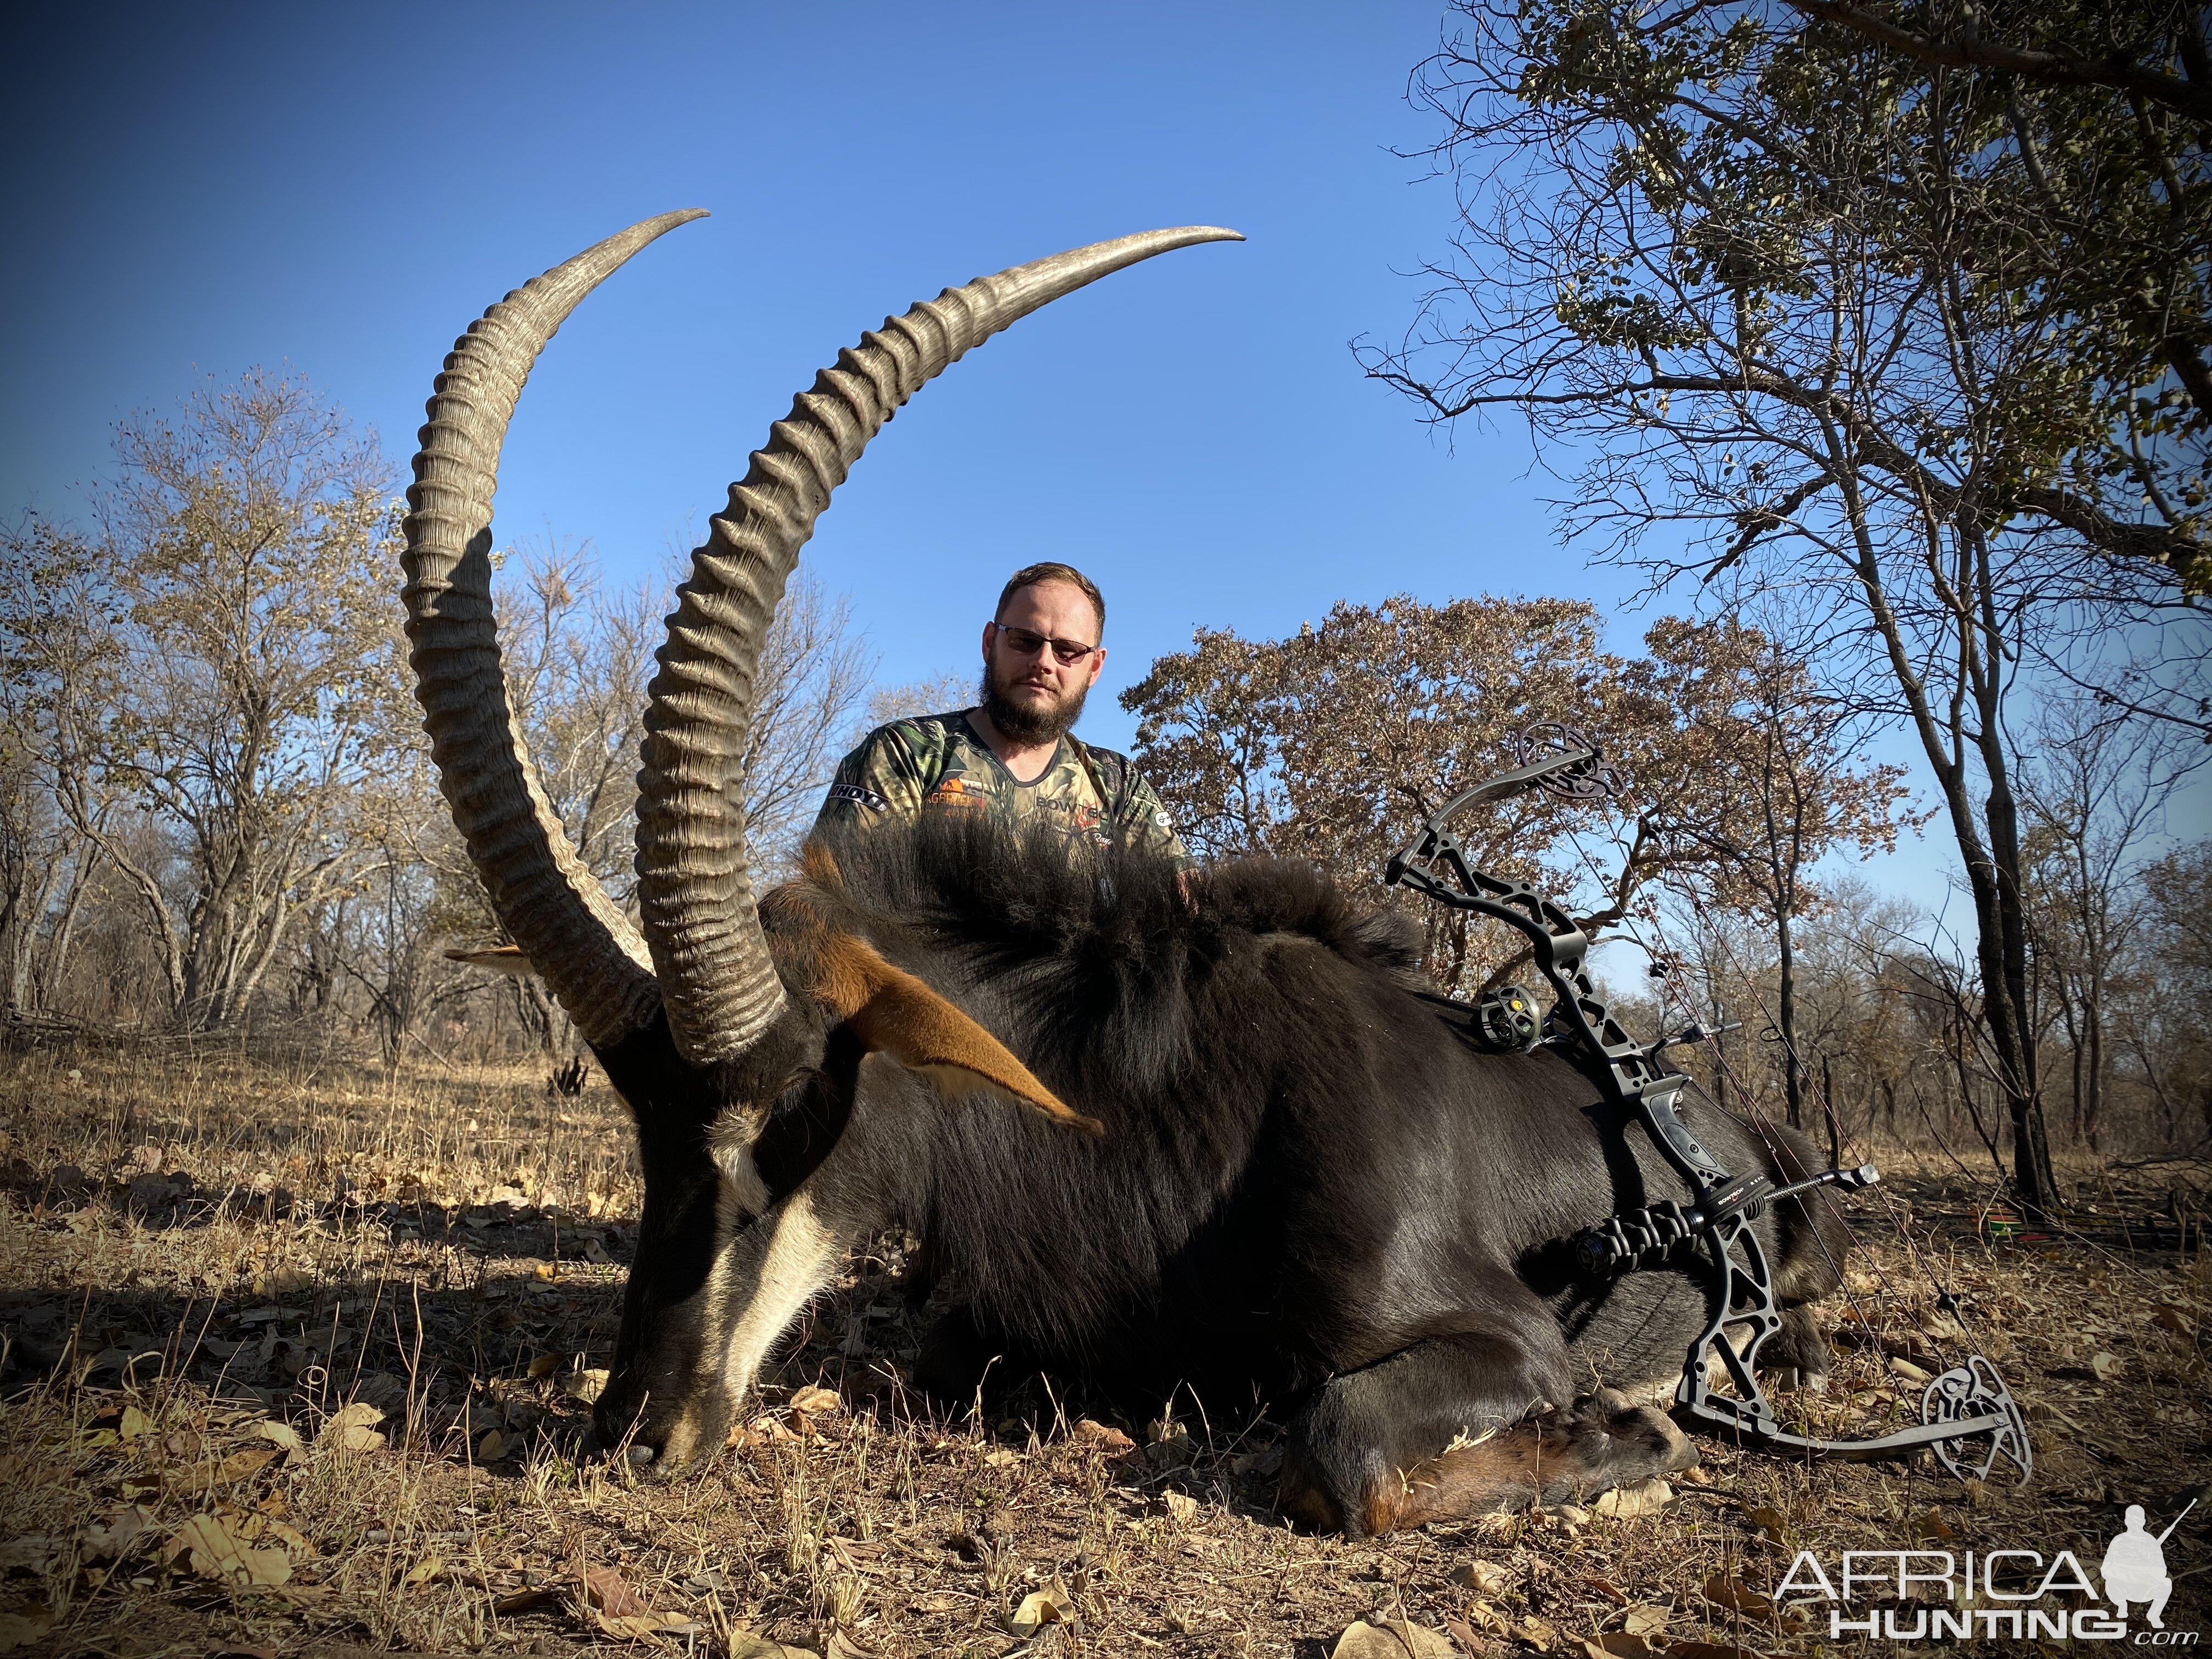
<point>1028,723</point>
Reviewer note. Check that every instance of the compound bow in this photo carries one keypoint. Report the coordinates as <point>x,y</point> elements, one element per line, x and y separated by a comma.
<point>1965,1403</point>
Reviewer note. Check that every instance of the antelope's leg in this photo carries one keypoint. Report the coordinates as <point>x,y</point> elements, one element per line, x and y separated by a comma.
<point>1459,1426</point>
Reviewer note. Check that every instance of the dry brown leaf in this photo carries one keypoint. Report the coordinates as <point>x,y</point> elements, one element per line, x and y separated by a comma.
<point>607,1591</point>
<point>1391,1638</point>
<point>1002,1458</point>
<point>213,1551</point>
<point>751,1645</point>
<point>134,1424</point>
<point>2106,1366</point>
<point>492,1447</point>
<point>118,1534</point>
<point>1768,1521</point>
<point>2171,1321</point>
<point>1107,1438</point>
<point>284,1436</point>
<point>229,1473</point>
<point>1735,1596</point>
<point>1181,1507</point>
<point>1933,1529</point>
<point>1483,1577</point>
<point>1540,1633</point>
<point>1259,1462</point>
<point>1052,1605</point>
<point>1641,1498</point>
<point>1708,1650</point>
<point>1618,1644</point>
<point>1644,1619</point>
<point>423,1572</point>
<point>586,1386</point>
<point>353,1428</point>
<point>817,1402</point>
<point>289,1536</point>
<point>544,1366</point>
<point>19,1630</point>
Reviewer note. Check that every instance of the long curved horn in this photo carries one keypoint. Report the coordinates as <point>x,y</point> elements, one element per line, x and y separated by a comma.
<point>585,948</point>
<point>694,889</point>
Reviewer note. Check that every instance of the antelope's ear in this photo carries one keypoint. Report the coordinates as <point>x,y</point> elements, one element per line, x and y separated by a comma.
<point>894,1013</point>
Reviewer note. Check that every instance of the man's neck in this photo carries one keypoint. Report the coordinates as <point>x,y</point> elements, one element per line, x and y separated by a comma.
<point>1026,761</point>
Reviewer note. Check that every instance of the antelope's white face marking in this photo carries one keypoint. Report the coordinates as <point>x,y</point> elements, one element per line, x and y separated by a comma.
<point>744,1193</point>
<point>761,1280</point>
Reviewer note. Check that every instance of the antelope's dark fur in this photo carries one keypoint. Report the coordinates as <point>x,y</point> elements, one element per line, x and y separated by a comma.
<point>1312,1185</point>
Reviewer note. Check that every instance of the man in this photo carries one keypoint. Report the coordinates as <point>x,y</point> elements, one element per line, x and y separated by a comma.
<point>1014,755</point>
<point>2134,1567</point>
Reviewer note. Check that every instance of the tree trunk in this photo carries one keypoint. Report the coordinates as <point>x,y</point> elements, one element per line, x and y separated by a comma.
<point>1793,1081</point>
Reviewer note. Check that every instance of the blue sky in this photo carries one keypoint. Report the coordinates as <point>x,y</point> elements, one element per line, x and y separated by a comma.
<point>341,190</point>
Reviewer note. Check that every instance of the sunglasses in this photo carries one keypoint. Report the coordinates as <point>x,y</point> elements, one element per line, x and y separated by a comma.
<point>1069,653</point>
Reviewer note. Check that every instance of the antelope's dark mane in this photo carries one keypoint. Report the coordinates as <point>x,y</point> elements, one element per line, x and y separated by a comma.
<point>1096,957</point>
<point>1009,895</point>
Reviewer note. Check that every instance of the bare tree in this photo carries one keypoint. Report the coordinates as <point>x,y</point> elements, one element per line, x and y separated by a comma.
<point>813,679</point>
<point>1749,700</point>
<point>577,660</point>
<point>60,662</point>
<point>246,548</point>
<point>2166,1016</point>
<point>2096,785</point>
<point>1781,298</point>
<point>939,694</point>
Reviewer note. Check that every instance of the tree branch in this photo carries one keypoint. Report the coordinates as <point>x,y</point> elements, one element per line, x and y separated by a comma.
<point>2183,97</point>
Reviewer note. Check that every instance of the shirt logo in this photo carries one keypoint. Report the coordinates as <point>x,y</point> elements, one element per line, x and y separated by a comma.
<point>956,792</point>
<point>859,796</point>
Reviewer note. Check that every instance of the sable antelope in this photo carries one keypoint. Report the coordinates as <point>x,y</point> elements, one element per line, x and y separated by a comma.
<point>1228,1139</point>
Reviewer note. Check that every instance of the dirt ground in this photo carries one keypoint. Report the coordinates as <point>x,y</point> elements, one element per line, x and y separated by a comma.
<point>297,1359</point>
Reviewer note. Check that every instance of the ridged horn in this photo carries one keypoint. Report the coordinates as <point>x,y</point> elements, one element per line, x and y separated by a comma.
<point>585,948</point>
<point>695,888</point>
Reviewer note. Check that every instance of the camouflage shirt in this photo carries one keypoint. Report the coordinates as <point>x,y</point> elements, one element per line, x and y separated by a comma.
<point>937,763</point>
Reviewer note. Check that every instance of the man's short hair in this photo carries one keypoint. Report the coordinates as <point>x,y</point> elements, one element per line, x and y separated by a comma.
<point>1051,570</point>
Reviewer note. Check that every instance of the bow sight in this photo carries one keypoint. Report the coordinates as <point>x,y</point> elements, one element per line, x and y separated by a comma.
<point>1968,1403</point>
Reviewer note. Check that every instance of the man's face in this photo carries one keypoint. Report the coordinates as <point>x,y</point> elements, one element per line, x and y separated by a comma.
<point>1031,696</point>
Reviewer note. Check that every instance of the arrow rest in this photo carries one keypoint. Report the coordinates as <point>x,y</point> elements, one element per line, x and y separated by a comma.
<point>1968,1404</point>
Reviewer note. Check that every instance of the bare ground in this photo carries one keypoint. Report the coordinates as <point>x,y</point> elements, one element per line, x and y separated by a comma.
<point>297,1356</point>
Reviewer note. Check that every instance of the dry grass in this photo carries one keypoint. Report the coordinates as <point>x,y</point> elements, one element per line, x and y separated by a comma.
<point>205,1261</point>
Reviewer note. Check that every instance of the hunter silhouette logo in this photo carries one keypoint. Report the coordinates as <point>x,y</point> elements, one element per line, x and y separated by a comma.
<point>2135,1566</point>
<point>1940,1595</point>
